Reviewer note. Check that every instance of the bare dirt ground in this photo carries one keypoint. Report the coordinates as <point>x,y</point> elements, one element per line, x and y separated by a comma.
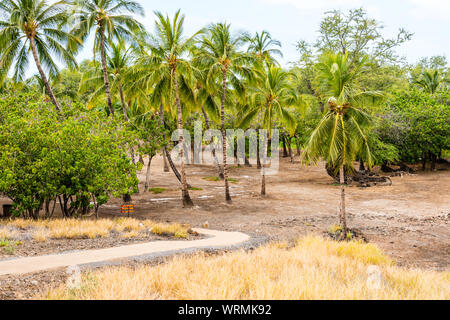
<point>409,220</point>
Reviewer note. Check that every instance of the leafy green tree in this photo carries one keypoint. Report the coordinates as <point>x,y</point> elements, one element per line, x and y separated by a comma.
<point>340,136</point>
<point>37,27</point>
<point>417,124</point>
<point>358,35</point>
<point>110,22</point>
<point>220,55</point>
<point>41,164</point>
<point>150,131</point>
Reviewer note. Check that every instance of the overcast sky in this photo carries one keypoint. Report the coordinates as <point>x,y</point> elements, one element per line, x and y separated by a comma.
<point>292,20</point>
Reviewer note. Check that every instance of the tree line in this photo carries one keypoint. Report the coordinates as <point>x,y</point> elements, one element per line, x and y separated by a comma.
<point>348,98</point>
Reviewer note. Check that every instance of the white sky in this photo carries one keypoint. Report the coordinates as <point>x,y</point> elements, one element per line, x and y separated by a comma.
<point>292,20</point>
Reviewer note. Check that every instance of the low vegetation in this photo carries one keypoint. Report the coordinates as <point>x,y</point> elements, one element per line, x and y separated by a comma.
<point>88,229</point>
<point>313,269</point>
<point>157,190</point>
<point>8,246</point>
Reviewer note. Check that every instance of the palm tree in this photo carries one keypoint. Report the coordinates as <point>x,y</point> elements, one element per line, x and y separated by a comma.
<point>340,136</point>
<point>265,48</point>
<point>269,101</point>
<point>430,81</point>
<point>34,25</point>
<point>110,22</point>
<point>205,97</point>
<point>219,53</point>
<point>119,58</point>
<point>166,68</point>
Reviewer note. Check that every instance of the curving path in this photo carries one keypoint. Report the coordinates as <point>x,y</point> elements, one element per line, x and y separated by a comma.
<point>216,240</point>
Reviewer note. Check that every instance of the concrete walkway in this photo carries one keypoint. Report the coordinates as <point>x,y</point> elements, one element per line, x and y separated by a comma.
<point>216,240</point>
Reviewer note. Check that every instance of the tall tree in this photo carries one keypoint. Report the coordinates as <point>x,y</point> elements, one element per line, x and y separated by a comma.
<point>269,100</point>
<point>39,27</point>
<point>340,135</point>
<point>430,81</point>
<point>166,66</point>
<point>219,52</point>
<point>355,33</point>
<point>119,59</point>
<point>110,21</point>
<point>265,48</point>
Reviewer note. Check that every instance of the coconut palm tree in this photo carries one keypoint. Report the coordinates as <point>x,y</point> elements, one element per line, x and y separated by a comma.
<point>340,136</point>
<point>269,101</point>
<point>219,53</point>
<point>206,99</point>
<point>265,48</point>
<point>119,58</point>
<point>37,27</point>
<point>166,68</point>
<point>110,21</point>
<point>430,81</point>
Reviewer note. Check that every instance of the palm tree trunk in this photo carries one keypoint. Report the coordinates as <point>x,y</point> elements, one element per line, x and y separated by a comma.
<point>187,201</point>
<point>124,106</point>
<point>285,153</point>
<point>147,175</point>
<point>263,171</point>
<point>166,165</point>
<point>105,70</point>
<point>258,158</point>
<point>216,160</point>
<point>44,78</point>
<point>342,213</point>
<point>161,119</point>
<point>224,138</point>
<point>362,168</point>
<point>291,154</point>
<point>299,152</point>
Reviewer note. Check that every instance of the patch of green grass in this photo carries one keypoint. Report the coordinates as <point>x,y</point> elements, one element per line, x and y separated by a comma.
<point>195,189</point>
<point>214,179</point>
<point>157,190</point>
<point>233,180</point>
<point>9,247</point>
<point>336,184</point>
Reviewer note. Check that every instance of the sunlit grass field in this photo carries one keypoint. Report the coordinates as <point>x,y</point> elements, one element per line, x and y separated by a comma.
<point>314,268</point>
<point>88,229</point>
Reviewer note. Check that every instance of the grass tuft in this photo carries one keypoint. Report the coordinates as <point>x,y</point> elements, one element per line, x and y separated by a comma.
<point>195,189</point>
<point>213,179</point>
<point>157,190</point>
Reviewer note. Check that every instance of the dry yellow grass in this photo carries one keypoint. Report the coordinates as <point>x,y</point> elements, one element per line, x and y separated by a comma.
<point>7,234</point>
<point>41,235</point>
<point>91,229</point>
<point>314,269</point>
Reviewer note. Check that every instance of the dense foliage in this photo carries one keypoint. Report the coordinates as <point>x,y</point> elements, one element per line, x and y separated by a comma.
<point>79,159</point>
<point>417,124</point>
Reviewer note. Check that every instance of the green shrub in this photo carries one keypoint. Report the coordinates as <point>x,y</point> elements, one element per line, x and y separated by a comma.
<point>79,158</point>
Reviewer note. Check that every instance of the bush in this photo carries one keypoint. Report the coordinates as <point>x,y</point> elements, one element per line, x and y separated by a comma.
<point>417,124</point>
<point>79,159</point>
